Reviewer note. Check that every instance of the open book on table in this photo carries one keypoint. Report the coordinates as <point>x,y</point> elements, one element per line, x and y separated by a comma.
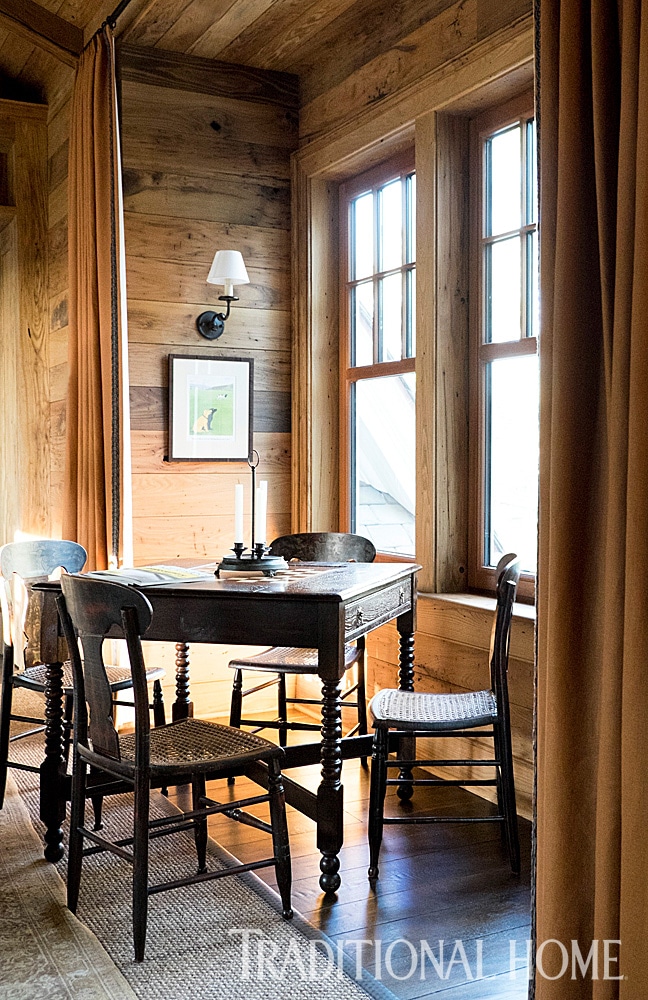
<point>152,576</point>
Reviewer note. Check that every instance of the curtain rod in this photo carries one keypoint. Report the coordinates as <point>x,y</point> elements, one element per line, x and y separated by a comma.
<point>111,20</point>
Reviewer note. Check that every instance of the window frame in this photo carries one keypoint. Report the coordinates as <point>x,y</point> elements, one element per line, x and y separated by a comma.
<point>401,165</point>
<point>482,578</point>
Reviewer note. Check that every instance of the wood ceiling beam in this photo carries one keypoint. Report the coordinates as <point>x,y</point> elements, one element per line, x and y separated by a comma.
<point>43,28</point>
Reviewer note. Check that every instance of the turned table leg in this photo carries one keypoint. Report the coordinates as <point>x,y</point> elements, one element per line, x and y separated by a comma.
<point>407,744</point>
<point>330,793</point>
<point>53,781</point>
<point>183,705</point>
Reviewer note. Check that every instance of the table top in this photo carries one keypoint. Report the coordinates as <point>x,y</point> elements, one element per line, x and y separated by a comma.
<point>336,582</point>
<point>302,606</point>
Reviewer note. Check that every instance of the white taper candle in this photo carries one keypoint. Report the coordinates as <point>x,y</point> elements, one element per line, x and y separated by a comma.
<point>238,513</point>
<point>262,511</point>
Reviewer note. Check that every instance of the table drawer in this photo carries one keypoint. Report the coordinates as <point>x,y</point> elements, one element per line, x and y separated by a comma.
<point>369,612</point>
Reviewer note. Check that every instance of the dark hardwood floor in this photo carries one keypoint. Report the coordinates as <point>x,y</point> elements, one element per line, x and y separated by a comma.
<point>447,916</point>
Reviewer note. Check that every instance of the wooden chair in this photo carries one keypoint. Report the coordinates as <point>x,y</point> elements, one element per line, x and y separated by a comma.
<point>21,565</point>
<point>321,546</point>
<point>416,714</point>
<point>181,752</point>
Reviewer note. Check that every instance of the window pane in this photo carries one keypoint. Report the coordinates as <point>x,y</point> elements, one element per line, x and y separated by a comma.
<point>411,218</point>
<point>504,182</point>
<point>391,317</point>
<point>384,460</point>
<point>391,226</point>
<point>362,226</point>
<point>503,291</point>
<point>511,507</point>
<point>362,307</point>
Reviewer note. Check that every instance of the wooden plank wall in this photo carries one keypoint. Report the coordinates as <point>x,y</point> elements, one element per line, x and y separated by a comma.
<point>206,155</point>
<point>374,52</point>
<point>206,166</point>
<point>24,416</point>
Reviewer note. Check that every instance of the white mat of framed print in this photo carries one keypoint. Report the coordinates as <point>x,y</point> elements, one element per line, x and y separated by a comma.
<point>210,408</point>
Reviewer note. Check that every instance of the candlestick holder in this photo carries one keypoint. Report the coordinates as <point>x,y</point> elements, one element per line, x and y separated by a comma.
<point>257,559</point>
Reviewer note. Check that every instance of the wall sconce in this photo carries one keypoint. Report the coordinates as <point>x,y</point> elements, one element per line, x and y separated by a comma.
<point>228,270</point>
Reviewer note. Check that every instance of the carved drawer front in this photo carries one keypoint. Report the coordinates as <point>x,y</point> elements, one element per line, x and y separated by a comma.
<point>376,609</point>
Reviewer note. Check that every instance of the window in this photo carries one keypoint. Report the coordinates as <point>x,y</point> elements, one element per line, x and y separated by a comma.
<point>378,344</point>
<point>505,376</point>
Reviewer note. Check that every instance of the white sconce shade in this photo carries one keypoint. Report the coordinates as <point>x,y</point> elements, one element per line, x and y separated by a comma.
<point>228,269</point>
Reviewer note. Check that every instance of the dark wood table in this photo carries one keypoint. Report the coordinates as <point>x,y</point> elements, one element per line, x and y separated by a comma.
<point>314,605</point>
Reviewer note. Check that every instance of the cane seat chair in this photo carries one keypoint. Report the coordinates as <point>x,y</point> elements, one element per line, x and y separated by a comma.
<point>319,546</point>
<point>182,752</point>
<point>22,564</point>
<point>477,714</point>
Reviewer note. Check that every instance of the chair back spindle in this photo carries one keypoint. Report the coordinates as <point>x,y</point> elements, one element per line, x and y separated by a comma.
<point>508,574</point>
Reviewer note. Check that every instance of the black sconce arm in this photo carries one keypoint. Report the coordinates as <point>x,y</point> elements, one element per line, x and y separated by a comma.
<point>212,324</point>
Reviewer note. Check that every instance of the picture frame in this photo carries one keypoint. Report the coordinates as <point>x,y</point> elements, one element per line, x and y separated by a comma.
<point>210,408</point>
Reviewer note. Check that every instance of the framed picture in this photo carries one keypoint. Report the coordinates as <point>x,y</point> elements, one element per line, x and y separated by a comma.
<point>210,408</point>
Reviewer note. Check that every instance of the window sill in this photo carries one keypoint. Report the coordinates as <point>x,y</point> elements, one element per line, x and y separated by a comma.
<point>467,620</point>
<point>525,611</point>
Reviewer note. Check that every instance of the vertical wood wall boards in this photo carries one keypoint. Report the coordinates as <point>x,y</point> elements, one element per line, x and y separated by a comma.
<point>24,438</point>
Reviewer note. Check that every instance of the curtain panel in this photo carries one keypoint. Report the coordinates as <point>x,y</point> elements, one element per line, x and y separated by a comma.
<point>97,467</point>
<point>592,794</point>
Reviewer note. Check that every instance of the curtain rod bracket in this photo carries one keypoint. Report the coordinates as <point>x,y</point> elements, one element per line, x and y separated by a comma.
<point>111,20</point>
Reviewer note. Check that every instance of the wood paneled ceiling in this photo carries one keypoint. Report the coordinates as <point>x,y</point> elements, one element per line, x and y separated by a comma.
<point>321,41</point>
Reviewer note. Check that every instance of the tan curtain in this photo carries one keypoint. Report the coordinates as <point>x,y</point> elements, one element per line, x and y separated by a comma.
<point>592,803</point>
<point>96,431</point>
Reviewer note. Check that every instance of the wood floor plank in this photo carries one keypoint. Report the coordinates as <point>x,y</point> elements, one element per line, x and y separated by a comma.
<point>437,884</point>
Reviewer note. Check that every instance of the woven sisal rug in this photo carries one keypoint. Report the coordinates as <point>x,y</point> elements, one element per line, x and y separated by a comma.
<point>47,954</point>
<point>223,939</point>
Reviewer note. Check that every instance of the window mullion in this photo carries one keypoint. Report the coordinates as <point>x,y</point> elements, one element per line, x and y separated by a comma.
<point>377,345</point>
<point>404,239</point>
<point>524,239</point>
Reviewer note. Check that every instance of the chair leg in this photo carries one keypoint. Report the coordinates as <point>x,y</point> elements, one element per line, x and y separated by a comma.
<point>200,828</point>
<point>6,693</point>
<point>498,777</point>
<point>361,694</point>
<point>280,841</point>
<point>159,717</point>
<point>508,796</point>
<point>68,711</point>
<point>97,805</point>
<point>377,798</point>
<point>140,864</point>
<point>75,847</point>
<point>236,706</point>
<point>283,710</point>
<point>406,751</point>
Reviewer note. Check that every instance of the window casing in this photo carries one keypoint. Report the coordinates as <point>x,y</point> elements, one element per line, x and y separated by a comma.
<point>504,361</point>
<point>377,352</point>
